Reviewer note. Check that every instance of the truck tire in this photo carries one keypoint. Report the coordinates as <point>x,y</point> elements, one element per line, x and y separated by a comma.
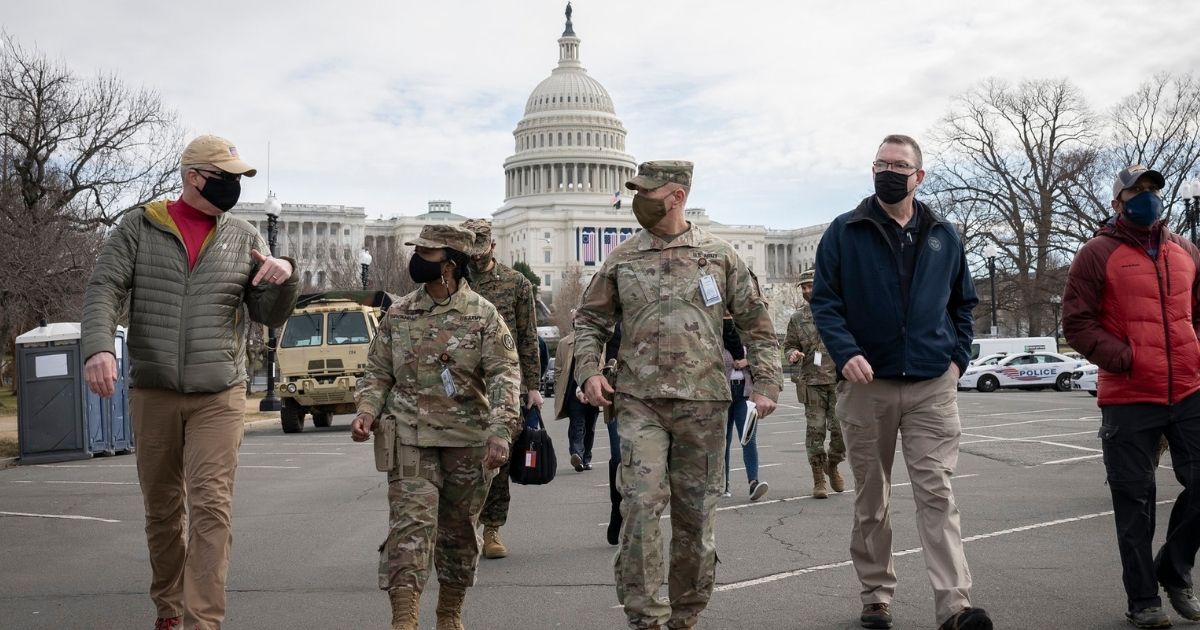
<point>987,384</point>
<point>322,418</point>
<point>291,416</point>
<point>1063,382</point>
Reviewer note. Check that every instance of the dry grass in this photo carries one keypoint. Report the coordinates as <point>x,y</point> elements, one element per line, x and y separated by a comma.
<point>8,447</point>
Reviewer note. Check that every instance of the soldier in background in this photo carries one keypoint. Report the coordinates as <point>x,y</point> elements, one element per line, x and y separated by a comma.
<point>815,389</point>
<point>512,294</point>
<point>670,285</point>
<point>440,394</point>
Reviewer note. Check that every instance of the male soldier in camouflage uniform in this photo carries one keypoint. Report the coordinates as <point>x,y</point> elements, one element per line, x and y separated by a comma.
<point>441,395</point>
<point>815,388</point>
<point>512,294</point>
<point>670,286</point>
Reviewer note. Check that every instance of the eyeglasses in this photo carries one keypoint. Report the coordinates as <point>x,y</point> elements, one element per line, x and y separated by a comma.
<point>904,168</point>
<point>229,177</point>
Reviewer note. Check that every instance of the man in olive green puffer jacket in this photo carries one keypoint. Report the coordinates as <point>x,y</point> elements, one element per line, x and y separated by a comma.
<point>193,275</point>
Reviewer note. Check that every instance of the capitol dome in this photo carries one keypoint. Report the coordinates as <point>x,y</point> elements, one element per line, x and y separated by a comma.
<point>570,139</point>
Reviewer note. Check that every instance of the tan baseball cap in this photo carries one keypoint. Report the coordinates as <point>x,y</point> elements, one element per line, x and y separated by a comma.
<point>651,175</point>
<point>448,236</point>
<point>219,152</point>
<point>482,228</point>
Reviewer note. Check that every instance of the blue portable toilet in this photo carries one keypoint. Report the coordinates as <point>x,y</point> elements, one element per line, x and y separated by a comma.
<point>58,418</point>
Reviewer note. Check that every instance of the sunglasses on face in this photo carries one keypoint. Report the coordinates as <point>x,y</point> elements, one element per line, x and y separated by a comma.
<point>222,175</point>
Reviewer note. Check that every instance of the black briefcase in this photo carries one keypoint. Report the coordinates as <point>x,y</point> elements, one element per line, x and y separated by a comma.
<point>533,460</point>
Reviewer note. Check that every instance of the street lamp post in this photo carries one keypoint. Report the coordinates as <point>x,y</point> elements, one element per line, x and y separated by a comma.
<point>990,254</point>
<point>272,208</point>
<point>1190,191</point>
<point>364,260</point>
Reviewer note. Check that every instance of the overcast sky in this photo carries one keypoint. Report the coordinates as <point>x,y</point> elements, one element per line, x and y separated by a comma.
<point>781,104</point>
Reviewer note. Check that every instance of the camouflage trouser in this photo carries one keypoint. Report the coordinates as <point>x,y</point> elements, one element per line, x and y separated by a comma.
<point>495,509</point>
<point>671,450</point>
<point>819,411</point>
<point>433,492</point>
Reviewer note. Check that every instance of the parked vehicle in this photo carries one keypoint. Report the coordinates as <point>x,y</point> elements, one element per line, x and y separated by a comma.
<point>548,380</point>
<point>1025,370</point>
<point>989,359</point>
<point>982,346</point>
<point>1086,379</point>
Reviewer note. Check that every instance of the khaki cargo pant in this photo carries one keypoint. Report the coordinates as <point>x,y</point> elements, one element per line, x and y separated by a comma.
<point>433,493</point>
<point>187,454</point>
<point>671,450</point>
<point>926,415</point>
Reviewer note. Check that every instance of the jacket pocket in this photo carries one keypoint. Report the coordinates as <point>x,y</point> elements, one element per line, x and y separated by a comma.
<point>385,443</point>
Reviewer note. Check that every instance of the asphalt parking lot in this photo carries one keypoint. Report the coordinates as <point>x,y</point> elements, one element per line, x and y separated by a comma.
<point>310,512</point>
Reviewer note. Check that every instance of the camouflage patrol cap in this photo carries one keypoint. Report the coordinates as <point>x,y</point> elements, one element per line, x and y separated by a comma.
<point>651,175</point>
<point>482,229</point>
<point>447,236</point>
<point>807,276</point>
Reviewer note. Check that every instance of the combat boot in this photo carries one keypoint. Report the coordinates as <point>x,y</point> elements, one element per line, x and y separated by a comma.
<point>405,602</point>
<point>835,478</point>
<point>449,608</point>
<point>492,547</point>
<point>819,489</point>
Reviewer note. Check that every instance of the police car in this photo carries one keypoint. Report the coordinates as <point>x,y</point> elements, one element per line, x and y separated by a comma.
<point>1084,379</point>
<point>1031,370</point>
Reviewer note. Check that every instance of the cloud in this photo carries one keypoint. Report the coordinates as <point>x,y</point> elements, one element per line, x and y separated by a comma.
<point>780,104</point>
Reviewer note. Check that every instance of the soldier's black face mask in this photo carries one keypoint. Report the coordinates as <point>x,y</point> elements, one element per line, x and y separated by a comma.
<point>422,271</point>
<point>891,187</point>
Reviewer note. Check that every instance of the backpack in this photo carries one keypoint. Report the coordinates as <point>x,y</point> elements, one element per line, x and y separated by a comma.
<point>533,462</point>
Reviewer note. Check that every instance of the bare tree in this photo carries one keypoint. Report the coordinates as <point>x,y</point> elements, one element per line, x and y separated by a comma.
<point>1010,156</point>
<point>566,298</point>
<point>389,271</point>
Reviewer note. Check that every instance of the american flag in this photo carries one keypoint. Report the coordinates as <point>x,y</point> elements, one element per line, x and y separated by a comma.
<point>616,200</point>
<point>610,240</point>
<point>587,246</point>
<point>626,233</point>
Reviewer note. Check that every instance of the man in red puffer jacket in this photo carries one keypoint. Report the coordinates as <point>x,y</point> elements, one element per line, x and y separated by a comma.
<point>1131,307</point>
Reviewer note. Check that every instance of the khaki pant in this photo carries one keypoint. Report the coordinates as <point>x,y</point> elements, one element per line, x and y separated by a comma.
<point>187,454</point>
<point>926,415</point>
<point>434,496</point>
<point>671,451</point>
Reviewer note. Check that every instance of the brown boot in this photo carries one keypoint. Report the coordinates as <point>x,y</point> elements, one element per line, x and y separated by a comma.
<point>405,602</point>
<point>819,489</point>
<point>835,478</point>
<point>449,608</point>
<point>492,547</point>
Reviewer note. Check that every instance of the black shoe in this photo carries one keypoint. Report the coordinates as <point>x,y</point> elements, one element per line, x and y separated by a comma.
<point>1184,601</point>
<point>876,616</point>
<point>1149,617</point>
<point>968,619</point>
<point>587,465</point>
<point>577,462</point>
<point>614,518</point>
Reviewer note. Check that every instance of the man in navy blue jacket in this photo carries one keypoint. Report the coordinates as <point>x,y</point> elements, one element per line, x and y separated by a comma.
<point>892,299</point>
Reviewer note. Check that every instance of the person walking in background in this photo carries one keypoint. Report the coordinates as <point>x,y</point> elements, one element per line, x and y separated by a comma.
<point>1131,307</point>
<point>581,430</point>
<point>741,386</point>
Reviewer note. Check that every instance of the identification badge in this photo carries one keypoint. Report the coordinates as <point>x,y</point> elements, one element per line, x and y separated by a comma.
<point>448,383</point>
<point>817,359</point>
<point>531,458</point>
<point>709,290</point>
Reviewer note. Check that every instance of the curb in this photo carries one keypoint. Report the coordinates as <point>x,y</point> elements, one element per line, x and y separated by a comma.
<point>8,462</point>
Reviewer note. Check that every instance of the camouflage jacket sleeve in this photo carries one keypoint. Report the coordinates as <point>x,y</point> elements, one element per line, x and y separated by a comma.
<point>753,319</point>
<point>792,342</point>
<point>526,335</point>
<point>598,312</point>
<point>502,378</point>
<point>378,380</point>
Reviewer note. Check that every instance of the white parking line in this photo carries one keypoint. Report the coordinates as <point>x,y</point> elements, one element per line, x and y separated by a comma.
<point>1071,459</point>
<point>69,517</point>
<point>906,552</point>
<point>1035,437</point>
<point>1034,441</point>
<point>1013,424</point>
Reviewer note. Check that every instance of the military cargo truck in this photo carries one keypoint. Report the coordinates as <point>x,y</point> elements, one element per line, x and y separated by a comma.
<point>323,352</point>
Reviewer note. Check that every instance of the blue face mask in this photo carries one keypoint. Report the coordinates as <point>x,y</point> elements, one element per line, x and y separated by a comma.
<point>1144,209</point>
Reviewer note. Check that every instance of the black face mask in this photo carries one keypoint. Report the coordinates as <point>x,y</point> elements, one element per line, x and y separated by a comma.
<point>891,187</point>
<point>222,193</point>
<point>422,271</point>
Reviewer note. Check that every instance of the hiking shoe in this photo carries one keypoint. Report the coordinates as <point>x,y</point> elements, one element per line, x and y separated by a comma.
<point>168,623</point>
<point>968,619</point>
<point>757,489</point>
<point>1149,617</point>
<point>577,462</point>
<point>876,616</point>
<point>492,546</point>
<point>1184,601</point>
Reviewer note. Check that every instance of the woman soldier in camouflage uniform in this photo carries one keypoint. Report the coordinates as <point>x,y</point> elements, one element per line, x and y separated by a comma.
<point>440,395</point>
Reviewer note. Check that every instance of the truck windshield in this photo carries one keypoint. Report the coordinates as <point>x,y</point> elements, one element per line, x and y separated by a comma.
<point>302,331</point>
<point>347,327</point>
<point>974,351</point>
